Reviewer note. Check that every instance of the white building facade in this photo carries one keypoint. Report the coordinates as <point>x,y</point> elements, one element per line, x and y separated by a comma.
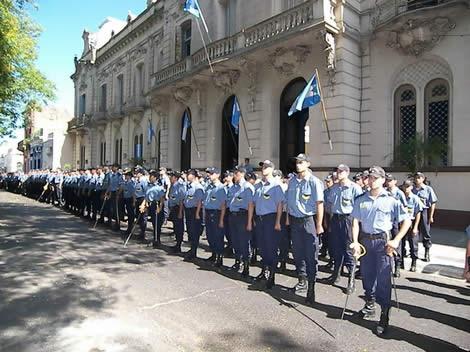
<point>11,159</point>
<point>390,71</point>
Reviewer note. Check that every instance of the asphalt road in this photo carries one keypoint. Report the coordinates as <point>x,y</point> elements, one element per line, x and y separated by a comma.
<point>65,287</point>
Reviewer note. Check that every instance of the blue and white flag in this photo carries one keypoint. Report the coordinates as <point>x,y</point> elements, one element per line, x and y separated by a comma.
<point>235,121</point>
<point>192,6</point>
<point>186,126</point>
<point>150,133</point>
<point>309,96</point>
<point>138,151</point>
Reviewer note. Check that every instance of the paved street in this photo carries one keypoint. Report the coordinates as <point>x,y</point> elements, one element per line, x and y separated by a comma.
<point>65,287</point>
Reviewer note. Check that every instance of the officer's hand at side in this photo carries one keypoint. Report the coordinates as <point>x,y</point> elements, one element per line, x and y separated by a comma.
<point>198,217</point>
<point>320,229</point>
<point>414,232</point>
<point>390,247</point>
<point>221,224</point>
<point>431,220</point>
<point>180,216</point>
<point>249,227</point>
<point>277,227</point>
<point>356,249</point>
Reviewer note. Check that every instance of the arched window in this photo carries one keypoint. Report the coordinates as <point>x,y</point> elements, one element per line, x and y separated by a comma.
<point>185,151</point>
<point>405,114</point>
<point>436,109</point>
<point>103,153</point>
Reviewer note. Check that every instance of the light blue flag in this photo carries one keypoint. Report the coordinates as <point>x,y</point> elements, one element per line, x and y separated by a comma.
<point>309,96</point>
<point>150,133</point>
<point>186,126</point>
<point>235,115</point>
<point>192,6</point>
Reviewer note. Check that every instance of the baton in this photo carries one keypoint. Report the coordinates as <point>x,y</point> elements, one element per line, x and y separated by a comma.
<point>41,195</point>
<point>352,276</point>
<point>133,229</point>
<point>101,211</point>
<point>395,289</point>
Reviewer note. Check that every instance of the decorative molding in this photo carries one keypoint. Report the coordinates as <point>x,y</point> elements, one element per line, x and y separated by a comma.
<point>421,72</point>
<point>330,50</point>
<point>183,94</point>
<point>286,60</point>
<point>417,36</point>
<point>226,80</point>
<point>160,104</point>
<point>249,68</point>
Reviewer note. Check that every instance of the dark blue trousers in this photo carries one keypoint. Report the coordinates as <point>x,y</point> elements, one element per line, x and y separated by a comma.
<point>240,236</point>
<point>425,229</point>
<point>178,224</point>
<point>413,243</point>
<point>376,270</point>
<point>285,241</point>
<point>268,239</point>
<point>227,228</point>
<point>215,235</point>
<point>153,218</point>
<point>129,207</point>
<point>305,246</point>
<point>340,239</point>
<point>193,226</point>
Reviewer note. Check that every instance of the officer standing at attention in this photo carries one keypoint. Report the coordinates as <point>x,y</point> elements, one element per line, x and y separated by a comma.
<point>164,182</point>
<point>193,211</point>
<point>397,193</point>
<point>153,203</point>
<point>176,196</point>
<point>141,186</point>
<point>214,205</point>
<point>269,201</point>
<point>228,187</point>
<point>127,190</point>
<point>414,209</point>
<point>374,213</point>
<point>429,200</point>
<point>324,250</point>
<point>241,219</point>
<point>340,201</point>
<point>114,182</point>
<point>304,202</point>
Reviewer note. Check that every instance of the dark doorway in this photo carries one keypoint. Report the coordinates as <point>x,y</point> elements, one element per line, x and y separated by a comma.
<point>229,137</point>
<point>291,129</point>
<point>186,142</point>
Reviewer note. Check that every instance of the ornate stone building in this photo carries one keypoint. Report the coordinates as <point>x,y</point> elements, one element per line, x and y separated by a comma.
<point>389,70</point>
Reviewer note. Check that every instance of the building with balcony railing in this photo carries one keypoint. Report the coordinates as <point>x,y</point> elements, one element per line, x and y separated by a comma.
<point>392,71</point>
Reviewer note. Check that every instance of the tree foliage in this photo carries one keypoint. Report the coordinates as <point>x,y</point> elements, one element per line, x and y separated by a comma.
<point>420,152</point>
<point>22,85</point>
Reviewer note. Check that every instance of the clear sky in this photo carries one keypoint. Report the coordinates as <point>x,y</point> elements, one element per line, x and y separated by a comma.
<point>63,22</point>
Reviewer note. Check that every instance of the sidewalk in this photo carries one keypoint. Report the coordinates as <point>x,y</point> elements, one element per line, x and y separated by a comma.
<point>447,254</point>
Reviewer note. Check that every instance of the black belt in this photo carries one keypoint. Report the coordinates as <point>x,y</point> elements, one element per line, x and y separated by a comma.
<point>240,212</point>
<point>341,216</point>
<point>373,236</point>
<point>302,219</point>
<point>212,210</point>
<point>265,215</point>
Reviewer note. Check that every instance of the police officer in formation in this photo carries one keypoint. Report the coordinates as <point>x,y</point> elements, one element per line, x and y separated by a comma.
<point>266,216</point>
<point>373,215</point>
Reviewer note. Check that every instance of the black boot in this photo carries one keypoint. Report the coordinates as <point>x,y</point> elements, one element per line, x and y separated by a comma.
<point>219,261</point>
<point>156,244</point>
<point>177,248</point>
<point>402,264</point>
<point>301,285</point>
<point>333,278</point>
<point>382,327</point>
<point>368,312</point>
<point>311,293</point>
<point>427,258</point>
<point>351,286</point>
<point>396,273</point>
<point>246,268</point>
<point>270,278</point>
<point>254,257</point>
<point>236,266</point>
<point>262,275</point>
<point>212,258</point>
<point>413,265</point>
<point>190,255</point>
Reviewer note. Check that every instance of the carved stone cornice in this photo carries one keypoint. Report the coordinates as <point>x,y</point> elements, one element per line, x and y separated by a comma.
<point>160,104</point>
<point>183,94</point>
<point>417,36</point>
<point>286,60</point>
<point>226,80</point>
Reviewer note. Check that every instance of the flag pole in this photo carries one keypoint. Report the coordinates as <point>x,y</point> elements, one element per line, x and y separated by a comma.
<point>194,136</point>
<point>246,134</point>
<point>325,118</point>
<point>204,44</point>
<point>204,22</point>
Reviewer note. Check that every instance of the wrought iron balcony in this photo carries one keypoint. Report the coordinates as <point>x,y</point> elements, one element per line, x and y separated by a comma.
<point>274,28</point>
<point>386,10</point>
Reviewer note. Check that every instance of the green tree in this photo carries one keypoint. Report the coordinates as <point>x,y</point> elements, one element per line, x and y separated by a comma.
<point>21,83</point>
<point>419,152</point>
